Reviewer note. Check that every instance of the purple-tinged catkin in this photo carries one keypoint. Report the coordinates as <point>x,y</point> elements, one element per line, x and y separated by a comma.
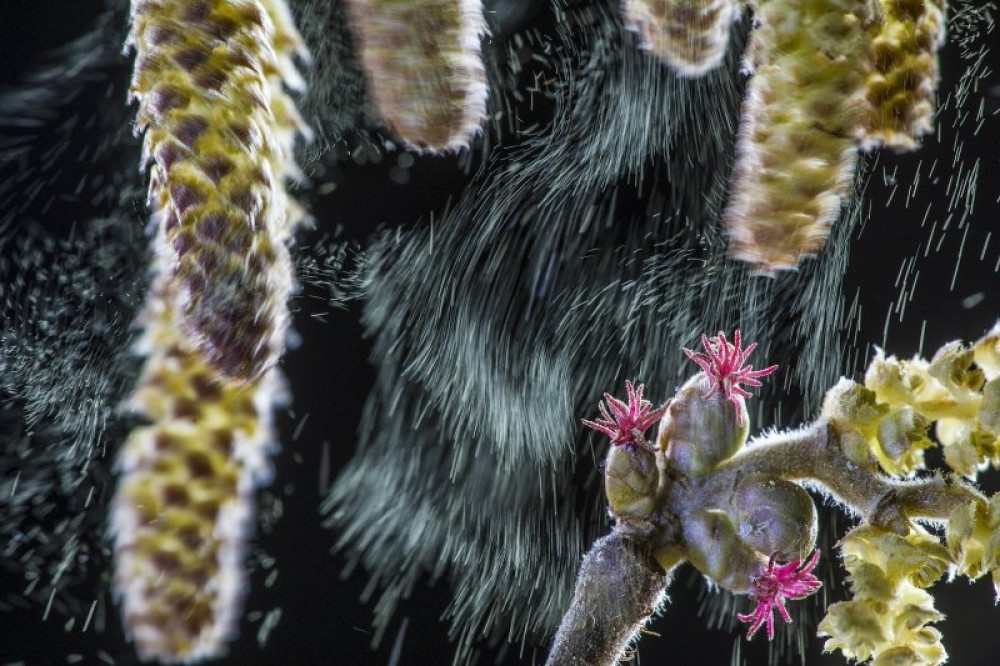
<point>184,505</point>
<point>424,69</point>
<point>219,131</point>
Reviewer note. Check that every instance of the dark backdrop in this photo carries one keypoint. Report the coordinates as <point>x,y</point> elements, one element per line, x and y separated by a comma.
<point>321,619</point>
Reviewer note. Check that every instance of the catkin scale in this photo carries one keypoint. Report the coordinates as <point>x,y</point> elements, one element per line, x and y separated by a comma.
<point>796,150</point>
<point>689,35</point>
<point>424,69</point>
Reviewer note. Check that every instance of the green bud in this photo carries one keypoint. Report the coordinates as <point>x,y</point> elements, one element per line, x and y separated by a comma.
<point>697,433</point>
<point>630,481</point>
<point>775,517</point>
<point>716,550</point>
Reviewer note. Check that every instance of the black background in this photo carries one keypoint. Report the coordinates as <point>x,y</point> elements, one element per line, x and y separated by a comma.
<point>322,620</point>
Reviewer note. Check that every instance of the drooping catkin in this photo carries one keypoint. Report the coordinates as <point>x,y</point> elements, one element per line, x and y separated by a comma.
<point>689,35</point>
<point>796,151</point>
<point>424,69</point>
<point>903,74</point>
<point>219,131</point>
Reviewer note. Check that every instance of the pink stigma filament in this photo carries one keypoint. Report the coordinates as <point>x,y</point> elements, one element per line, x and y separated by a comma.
<point>725,369</point>
<point>776,584</point>
<point>626,423</point>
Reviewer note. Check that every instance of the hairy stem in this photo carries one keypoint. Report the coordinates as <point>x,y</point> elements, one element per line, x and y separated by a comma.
<point>818,454</point>
<point>618,589</point>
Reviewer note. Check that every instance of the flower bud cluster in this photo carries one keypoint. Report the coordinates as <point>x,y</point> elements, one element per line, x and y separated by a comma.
<point>887,619</point>
<point>732,540</point>
<point>663,493</point>
<point>737,513</point>
<point>761,518</point>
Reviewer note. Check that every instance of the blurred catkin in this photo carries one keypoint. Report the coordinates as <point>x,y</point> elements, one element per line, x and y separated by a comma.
<point>424,69</point>
<point>903,74</point>
<point>690,35</point>
<point>830,77</point>
<point>184,505</point>
<point>219,131</point>
<point>796,152</point>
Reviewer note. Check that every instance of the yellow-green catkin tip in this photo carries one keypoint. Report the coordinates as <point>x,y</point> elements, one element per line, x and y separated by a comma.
<point>902,74</point>
<point>796,151</point>
<point>424,69</point>
<point>219,131</point>
<point>184,505</point>
<point>689,35</point>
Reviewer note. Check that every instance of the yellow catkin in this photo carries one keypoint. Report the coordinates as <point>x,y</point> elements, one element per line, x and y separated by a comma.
<point>952,390</point>
<point>987,353</point>
<point>886,621</point>
<point>424,69</point>
<point>902,74</point>
<point>689,35</point>
<point>219,131</point>
<point>973,535</point>
<point>796,151</point>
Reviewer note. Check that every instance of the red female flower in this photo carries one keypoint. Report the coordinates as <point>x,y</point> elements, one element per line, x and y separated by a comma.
<point>723,365</point>
<point>776,584</point>
<point>626,423</point>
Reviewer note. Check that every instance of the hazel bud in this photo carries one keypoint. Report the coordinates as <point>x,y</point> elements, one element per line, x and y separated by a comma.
<point>699,432</point>
<point>775,517</point>
<point>716,550</point>
<point>630,481</point>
